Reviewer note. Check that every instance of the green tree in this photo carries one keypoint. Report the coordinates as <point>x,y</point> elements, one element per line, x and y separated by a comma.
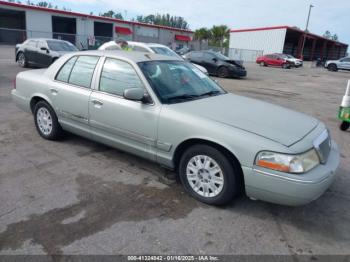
<point>165,20</point>
<point>202,34</point>
<point>112,14</point>
<point>220,35</point>
<point>327,35</point>
<point>335,37</point>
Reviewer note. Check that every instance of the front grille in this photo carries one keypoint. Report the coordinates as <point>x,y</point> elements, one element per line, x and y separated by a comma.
<point>323,146</point>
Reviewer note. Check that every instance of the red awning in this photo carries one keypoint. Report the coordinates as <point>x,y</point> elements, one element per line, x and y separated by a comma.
<point>123,30</point>
<point>182,38</point>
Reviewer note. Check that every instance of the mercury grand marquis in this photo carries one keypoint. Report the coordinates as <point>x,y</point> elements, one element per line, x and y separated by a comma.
<point>166,110</point>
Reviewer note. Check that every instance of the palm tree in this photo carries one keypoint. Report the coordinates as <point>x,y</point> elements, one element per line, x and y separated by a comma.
<point>202,34</point>
<point>220,33</point>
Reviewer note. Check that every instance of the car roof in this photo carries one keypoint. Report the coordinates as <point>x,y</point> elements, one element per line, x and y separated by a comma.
<point>47,39</point>
<point>133,56</point>
<point>145,44</point>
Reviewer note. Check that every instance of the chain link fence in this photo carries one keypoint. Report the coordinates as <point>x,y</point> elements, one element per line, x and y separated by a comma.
<point>245,55</point>
<point>15,36</point>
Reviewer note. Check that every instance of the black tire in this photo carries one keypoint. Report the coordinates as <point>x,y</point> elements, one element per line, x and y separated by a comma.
<point>230,174</point>
<point>286,66</point>
<point>22,60</point>
<point>263,64</point>
<point>223,72</point>
<point>332,67</point>
<point>55,130</point>
<point>344,126</point>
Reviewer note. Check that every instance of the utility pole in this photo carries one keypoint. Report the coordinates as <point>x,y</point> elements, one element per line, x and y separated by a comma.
<point>305,32</point>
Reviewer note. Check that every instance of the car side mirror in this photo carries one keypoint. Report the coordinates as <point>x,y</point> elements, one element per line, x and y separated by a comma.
<point>44,49</point>
<point>136,94</point>
<point>215,59</point>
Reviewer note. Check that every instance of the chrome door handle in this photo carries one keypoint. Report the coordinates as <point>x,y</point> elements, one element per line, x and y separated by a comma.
<point>53,91</point>
<point>96,102</point>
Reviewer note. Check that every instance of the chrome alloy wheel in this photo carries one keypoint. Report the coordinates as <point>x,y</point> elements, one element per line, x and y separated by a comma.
<point>21,59</point>
<point>44,121</point>
<point>205,176</point>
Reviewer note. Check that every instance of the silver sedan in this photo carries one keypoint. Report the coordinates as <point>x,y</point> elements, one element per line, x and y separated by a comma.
<point>166,110</point>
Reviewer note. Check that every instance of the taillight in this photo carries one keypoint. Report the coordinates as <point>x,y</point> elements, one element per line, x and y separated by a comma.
<point>14,83</point>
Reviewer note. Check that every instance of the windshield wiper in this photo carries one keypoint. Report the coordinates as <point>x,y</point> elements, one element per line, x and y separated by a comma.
<point>182,97</point>
<point>210,93</point>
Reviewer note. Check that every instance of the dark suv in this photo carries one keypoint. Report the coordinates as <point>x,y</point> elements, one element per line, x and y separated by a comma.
<point>217,64</point>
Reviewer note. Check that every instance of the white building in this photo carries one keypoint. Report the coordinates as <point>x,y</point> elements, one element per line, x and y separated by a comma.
<point>248,44</point>
<point>19,22</point>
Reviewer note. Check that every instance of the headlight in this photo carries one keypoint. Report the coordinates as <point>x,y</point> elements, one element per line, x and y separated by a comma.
<point>296,164</point>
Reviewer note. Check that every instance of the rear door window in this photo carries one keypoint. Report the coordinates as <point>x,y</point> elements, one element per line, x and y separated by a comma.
<point>32,43</point>
<point>63,74</point>
<point>83,70</point>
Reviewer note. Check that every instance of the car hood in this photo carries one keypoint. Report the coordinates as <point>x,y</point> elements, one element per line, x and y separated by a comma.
<point>273,122</point>
<point>234,62</point>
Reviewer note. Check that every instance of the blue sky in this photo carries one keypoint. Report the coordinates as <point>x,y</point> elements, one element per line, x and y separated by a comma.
<point>326,15</point>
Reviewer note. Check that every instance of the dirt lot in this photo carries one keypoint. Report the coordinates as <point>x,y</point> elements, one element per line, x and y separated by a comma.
<point>80,197</point>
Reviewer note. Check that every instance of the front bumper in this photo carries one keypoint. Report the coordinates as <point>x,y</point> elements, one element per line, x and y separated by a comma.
<point>288,189</point>
<point>237,72</point>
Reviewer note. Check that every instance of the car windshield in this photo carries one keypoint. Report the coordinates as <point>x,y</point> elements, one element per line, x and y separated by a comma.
<point>61,46</point>
<point>221,56</point>
<point>164,51</point>
<point>178,81</point>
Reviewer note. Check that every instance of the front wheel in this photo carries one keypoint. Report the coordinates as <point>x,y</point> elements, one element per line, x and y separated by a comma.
<point>208,175</point>
<point>46,121</point>
<point>223,72</point>
<point>344,126</point>
<point>332,67</point>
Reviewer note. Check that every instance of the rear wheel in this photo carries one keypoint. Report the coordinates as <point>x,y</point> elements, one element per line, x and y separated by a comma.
<point>285,66</point>
<point>22,60</point>
<point>344,126</point>
<point>223,72</point>
<point>332,67</point>
<point>46,121</point>
<point>263,63</point>
<point>208,175</point>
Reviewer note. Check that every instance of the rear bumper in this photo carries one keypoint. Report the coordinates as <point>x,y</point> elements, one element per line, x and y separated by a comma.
<point>292,190</point>
<point>20,101</point>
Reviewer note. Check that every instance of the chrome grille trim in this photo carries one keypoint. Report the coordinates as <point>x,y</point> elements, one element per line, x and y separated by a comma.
<point>322,144</point>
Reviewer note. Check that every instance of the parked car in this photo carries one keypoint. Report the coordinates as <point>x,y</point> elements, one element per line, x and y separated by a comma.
<point>341,64</point>
<point>182,51</point>
<point>41,52</point>
<point>217,64</point>
<point>148,48</point>
<point>166,110</point>
<point>295,62</point>
<point>273,60</point>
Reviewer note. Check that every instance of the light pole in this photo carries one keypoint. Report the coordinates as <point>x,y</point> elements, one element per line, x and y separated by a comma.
<point>305,32</point>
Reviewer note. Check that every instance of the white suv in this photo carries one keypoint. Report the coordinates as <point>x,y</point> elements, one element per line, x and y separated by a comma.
<point>148,48</point>
<point>335,65</point>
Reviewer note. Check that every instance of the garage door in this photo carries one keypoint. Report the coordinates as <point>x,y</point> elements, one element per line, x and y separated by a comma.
<point>64,28</point>
<point>12,26</point>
